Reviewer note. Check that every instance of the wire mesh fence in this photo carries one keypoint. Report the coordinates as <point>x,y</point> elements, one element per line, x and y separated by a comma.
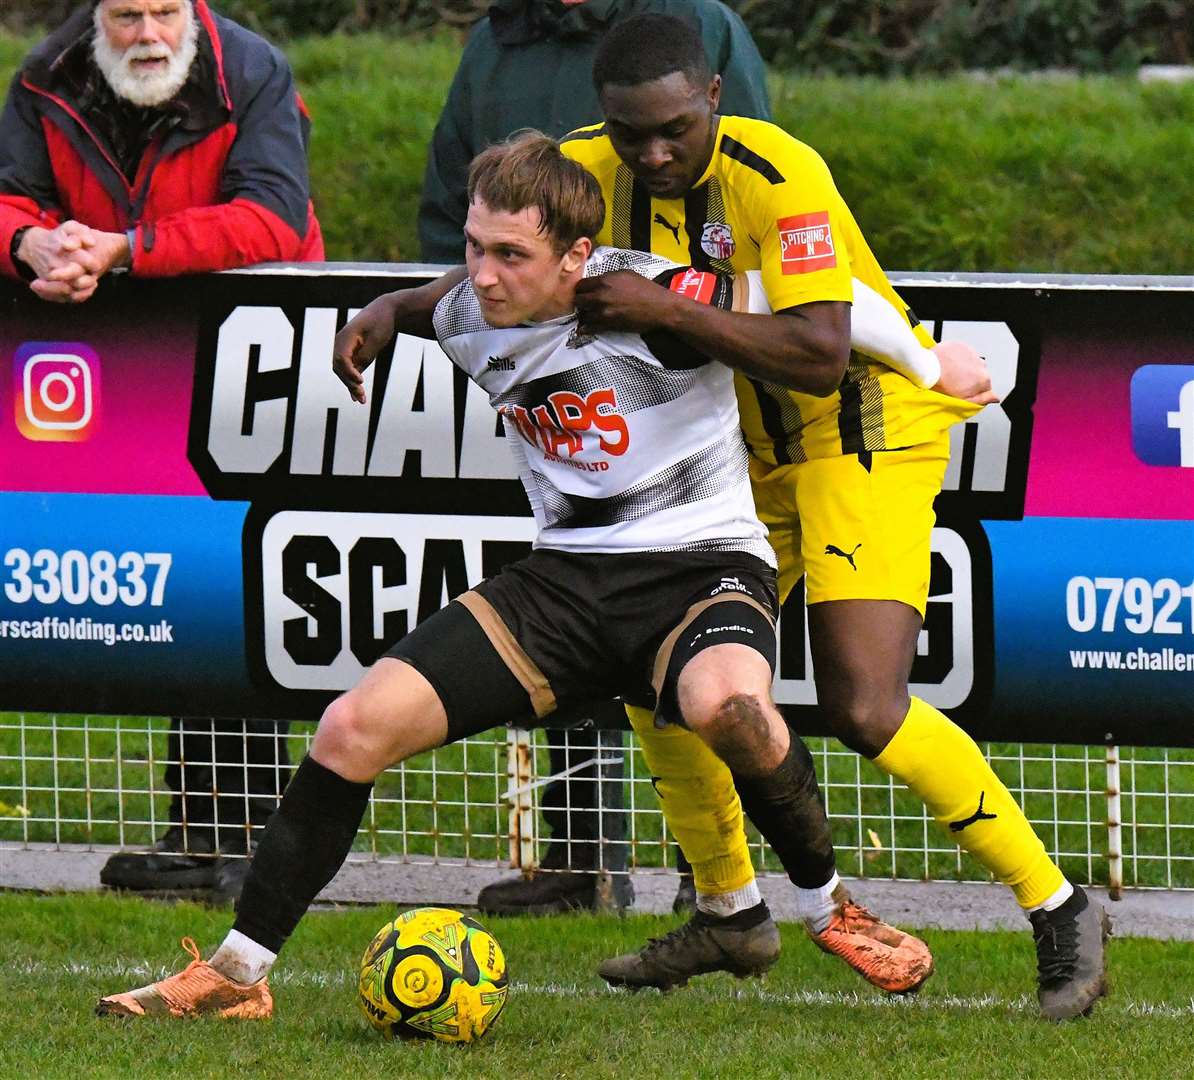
<point>101,781</point>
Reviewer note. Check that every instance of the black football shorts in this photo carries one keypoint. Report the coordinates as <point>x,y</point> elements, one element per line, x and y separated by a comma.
<point>558,627</point>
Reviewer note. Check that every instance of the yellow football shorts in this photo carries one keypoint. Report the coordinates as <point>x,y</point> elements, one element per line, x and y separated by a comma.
<point>857,525</point>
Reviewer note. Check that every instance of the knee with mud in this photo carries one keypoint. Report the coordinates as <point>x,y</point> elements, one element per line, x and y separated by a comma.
<point>745,731</point>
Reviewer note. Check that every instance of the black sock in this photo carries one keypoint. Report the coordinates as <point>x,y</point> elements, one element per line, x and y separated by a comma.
<point>786,807</point>
<point>304,844</point>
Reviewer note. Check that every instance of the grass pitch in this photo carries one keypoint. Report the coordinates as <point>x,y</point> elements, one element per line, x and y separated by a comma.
<point>811,1017</point>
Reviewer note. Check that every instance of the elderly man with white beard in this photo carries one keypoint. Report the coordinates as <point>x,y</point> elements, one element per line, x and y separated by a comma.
<point>159,137</point>
<point>156,136</point>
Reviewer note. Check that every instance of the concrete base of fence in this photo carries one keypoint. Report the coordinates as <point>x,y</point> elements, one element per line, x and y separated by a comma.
<point>1155,913</point>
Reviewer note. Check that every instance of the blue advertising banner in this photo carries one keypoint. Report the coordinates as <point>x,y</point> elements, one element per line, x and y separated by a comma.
<point>125,595</point>
<point>1100,612</point>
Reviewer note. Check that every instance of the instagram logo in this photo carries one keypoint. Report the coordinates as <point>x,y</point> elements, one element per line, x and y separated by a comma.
<point>56,391</point>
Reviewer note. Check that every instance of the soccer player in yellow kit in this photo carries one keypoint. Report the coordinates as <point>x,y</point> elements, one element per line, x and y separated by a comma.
<point>844,476</point>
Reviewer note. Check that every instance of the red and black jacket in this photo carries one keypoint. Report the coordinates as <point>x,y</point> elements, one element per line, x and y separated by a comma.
<point>225,187</point>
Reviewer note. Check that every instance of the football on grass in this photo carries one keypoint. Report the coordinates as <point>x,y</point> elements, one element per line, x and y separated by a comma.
<point>433,973</point>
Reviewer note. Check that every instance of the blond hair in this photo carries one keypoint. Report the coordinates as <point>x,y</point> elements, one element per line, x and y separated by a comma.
<point>528,170</point>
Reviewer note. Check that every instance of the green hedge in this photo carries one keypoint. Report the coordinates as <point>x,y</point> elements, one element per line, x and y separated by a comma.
<point>863,37</point>
<point>885,37</point>
<point>1082,175</point>
<point>288,18</point>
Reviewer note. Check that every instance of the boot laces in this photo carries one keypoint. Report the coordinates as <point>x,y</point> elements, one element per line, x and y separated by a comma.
<point>855,917</point>
<point>675,940</point>
<point>1056,949</point>
<point>668,942</point>
<point>179,989</point>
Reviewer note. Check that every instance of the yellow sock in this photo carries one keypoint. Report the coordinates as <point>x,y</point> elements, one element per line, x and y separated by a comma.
<point>699,803</point>
<point>943,766</point>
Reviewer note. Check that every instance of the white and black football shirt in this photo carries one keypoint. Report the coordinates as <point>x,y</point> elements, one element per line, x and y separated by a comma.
<point>623,442</point>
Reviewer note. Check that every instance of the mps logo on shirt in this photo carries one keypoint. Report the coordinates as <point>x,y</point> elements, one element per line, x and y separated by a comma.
<point>806,243</point>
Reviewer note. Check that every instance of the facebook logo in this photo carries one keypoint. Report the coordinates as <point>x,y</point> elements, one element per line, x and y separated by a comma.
<point>1163,414</point>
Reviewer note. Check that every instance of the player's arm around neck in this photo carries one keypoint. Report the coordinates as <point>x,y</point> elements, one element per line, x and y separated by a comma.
<point>404,311</point>
<point>804,348</point>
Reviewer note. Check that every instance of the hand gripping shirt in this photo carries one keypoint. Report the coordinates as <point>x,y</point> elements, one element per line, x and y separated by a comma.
<point>622,445</point>
<point>767,202</point>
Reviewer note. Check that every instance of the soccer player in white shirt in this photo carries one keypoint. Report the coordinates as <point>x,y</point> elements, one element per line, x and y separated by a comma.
<point>650,579</point>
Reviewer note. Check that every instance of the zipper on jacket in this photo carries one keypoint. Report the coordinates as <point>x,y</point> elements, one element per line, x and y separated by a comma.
<point>139,192</point>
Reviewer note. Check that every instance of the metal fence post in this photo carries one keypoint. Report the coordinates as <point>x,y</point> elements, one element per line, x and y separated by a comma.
<point>1115,851</point>
<point>520,768</point>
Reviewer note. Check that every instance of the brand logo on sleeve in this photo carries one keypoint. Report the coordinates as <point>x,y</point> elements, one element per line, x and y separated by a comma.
<point>806,243</point>
<point>694,284</point>
<point>978,815</point>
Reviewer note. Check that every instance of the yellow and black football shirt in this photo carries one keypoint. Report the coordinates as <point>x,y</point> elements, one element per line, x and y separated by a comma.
<point>767,202</point>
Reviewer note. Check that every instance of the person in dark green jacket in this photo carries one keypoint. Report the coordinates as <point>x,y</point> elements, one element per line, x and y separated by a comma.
<point>529,64</point>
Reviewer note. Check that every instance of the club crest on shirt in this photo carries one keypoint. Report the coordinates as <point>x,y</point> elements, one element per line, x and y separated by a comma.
<point>717,240</point>
<point>577,338</point>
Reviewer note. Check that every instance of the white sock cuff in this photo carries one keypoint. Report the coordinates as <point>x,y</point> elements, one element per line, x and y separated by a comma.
<point>815,906</point>
<point>730,903</point>
<point>819,896</point>
<point>1057,899</point>
<point>242,959</point>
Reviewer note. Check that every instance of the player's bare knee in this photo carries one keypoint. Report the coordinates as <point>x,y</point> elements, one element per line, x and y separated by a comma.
<point>865,720</point>
<point>740,729</point>
<point>338,727</point>
<point>346,740</point>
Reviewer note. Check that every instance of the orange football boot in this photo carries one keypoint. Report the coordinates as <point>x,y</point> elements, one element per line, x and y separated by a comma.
<point>886,957</point>
<point>197,990</point>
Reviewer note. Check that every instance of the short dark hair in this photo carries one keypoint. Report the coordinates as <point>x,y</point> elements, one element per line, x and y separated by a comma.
<point>647,47</point>
<point>528,170</point>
